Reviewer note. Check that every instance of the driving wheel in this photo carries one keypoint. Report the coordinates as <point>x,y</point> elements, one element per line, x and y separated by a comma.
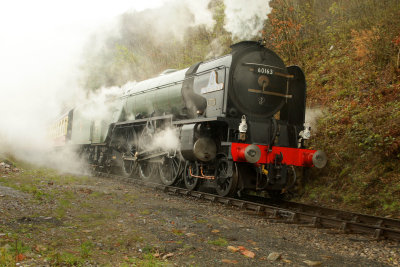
<point>170,169</point>
<point>129,166</point>
<point>190,179</point>
<point>226,176</point>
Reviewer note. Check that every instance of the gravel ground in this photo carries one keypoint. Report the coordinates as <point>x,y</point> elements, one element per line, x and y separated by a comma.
<point>128,225</point>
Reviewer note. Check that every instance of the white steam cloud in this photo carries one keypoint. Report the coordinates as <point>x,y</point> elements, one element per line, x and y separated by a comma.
<point>312,116</point>
<point>41,49</point>
<point>40,53</point>
<point>245,19</point>
<point>166,140</point>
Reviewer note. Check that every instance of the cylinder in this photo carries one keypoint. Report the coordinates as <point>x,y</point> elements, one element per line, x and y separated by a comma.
<point>205,149</point>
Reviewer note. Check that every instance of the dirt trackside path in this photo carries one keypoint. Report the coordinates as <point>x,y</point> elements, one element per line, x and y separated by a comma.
<point>47,219</point>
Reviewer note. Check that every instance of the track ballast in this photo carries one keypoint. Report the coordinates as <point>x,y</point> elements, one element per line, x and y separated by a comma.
<point>291,212</point>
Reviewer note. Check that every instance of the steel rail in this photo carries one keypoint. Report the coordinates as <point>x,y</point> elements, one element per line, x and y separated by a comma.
<point>292,212</point>
<point>343,215</point>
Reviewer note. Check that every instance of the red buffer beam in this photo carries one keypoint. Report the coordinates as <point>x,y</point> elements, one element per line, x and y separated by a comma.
<point>261,154</point>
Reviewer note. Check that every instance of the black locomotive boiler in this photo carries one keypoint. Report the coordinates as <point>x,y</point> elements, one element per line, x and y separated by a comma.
<point>238,121</point>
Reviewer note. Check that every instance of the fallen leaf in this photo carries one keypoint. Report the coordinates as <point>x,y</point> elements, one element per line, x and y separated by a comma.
<point>87,231</point>
<point>312,263</point>
<point>248,253</point>
<point>241,248</point>
<point>215,231</point>
<point>229,261</point>
<point>166,256</point>
<point>190,234</point>
<point>286,261</point>
<point>40,248</point>
<point>86,191</point>
<point>273,256</point>
<point>156,255</point>
<point>233,249</point>
<point>177,231</point>
<point>252,242</point>
<point>20,257</point>
<point>326,257</point>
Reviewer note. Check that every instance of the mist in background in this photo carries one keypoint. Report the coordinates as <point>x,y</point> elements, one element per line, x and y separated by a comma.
<point>41,54</point>
<point>57,55</point>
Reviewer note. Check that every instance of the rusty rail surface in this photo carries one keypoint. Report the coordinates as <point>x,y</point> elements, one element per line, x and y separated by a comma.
<point>292,212</point>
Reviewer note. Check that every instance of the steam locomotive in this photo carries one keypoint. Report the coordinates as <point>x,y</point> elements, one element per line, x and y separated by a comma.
<point>238,121</point>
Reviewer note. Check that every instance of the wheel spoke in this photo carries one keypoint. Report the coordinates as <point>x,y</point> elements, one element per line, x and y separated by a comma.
<point>225,185</point>
<point>128,167</point>
<point>170,170</point>
<point>146,170</point>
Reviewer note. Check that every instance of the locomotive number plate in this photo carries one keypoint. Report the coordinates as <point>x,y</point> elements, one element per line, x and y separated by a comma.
<point>262,70</point>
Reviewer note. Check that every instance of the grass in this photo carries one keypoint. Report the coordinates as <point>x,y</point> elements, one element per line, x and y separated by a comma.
<point>145,212</point>
<point>7,258</point>
<point>86,249</point>
<point>90,217</point>
<point>221,242</point>
<point>65,259</point>
<point>9,253</point>
<point>63,206</point>
<point>147,260</point>
<point>177,232</point>
<point>201,221</point>
<point>83,214</point>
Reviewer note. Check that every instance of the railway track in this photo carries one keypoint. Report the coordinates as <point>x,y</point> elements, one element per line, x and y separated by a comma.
<point>292,212</point>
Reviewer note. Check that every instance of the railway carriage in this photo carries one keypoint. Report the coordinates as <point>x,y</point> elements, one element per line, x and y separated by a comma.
<point>59,132</point>
<point>238,119</point>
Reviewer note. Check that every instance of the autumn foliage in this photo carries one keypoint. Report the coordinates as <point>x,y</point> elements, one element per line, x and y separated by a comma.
<point>284,30</point>
<point>350,51</point>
